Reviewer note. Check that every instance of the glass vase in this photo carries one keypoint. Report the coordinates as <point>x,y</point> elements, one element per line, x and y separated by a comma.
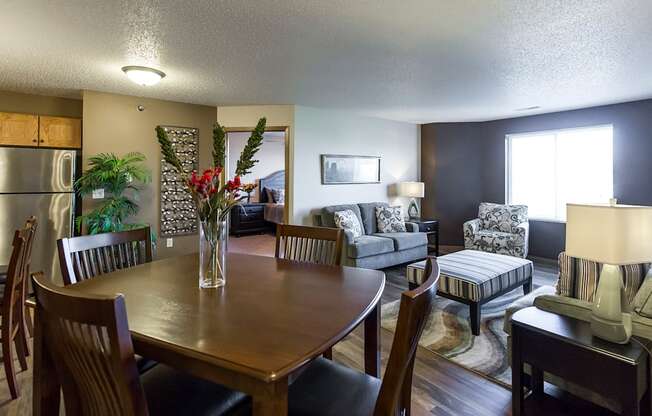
<point>212,254</point>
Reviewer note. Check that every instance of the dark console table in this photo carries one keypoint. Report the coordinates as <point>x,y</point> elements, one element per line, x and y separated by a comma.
<point>565,347</point>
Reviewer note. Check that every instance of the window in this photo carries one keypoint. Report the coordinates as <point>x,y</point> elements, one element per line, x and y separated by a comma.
<point>546,170</point>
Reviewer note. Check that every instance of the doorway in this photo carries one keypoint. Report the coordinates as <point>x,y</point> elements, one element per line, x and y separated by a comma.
<point>268,202</point>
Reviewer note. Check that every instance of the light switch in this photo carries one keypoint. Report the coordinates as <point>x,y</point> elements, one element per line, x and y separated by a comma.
<point>98,193</point>
<point>169,242</point>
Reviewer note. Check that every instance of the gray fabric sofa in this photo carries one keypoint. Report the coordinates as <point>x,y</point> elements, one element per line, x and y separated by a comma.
<point>375,250</point>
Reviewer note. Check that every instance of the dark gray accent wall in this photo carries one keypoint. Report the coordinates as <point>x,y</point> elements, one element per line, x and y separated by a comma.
<point>463,164</point>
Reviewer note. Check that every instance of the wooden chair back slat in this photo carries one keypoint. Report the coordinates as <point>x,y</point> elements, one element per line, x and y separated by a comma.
<point>88,256</point>
<point>309,244</point>
<point>89,341</point>
<point>395,391</point>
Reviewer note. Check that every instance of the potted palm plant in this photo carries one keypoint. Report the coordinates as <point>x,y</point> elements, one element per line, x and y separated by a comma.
<point>120,178</point>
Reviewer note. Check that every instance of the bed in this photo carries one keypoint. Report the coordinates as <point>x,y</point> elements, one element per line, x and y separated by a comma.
<point>274,212</point>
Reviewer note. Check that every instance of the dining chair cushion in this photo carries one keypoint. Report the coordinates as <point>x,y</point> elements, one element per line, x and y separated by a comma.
<point>326,388</point>
<point>172,392</point>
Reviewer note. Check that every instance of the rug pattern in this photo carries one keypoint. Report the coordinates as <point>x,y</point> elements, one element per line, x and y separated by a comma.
<point>448,332</point>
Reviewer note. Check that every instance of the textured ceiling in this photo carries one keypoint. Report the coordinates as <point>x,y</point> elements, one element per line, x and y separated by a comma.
<point>428,60</point>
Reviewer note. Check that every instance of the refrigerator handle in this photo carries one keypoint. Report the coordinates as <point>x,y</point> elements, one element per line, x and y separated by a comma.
<point>68,170</point>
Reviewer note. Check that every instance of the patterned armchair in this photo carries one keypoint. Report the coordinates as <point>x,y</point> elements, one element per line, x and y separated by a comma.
<point>501,229</point>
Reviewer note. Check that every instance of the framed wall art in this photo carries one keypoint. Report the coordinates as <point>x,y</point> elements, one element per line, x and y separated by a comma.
<point>349,169</point>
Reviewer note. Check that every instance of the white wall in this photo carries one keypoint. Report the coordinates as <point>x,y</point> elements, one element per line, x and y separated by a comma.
<point>271,156</point>
<point>319,131</point>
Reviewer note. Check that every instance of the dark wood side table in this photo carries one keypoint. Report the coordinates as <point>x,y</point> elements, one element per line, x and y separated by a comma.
<point>431,228</point>
<point>565,347</point>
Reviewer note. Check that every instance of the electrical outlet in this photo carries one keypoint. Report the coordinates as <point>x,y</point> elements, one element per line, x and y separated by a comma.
<point>169,242</point>
<point>98,193</point>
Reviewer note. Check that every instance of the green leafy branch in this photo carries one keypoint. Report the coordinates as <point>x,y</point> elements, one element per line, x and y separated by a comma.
<point>247,161</point>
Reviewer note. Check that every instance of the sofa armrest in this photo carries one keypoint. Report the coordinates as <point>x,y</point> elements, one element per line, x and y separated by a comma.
<point>470,228</point>
<point>522,230</point>
<point>522,303</point>
<point>348,237</point>
<point>411,227</point>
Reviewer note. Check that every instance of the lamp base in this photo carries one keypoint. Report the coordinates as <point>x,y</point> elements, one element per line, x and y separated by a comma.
<point>610,317</point>
<point>617,332</point>
<point>413,209</point>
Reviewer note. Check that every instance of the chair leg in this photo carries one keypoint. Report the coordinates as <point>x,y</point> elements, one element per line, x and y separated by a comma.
<point>28,322</point>
<point>10,371</point>
<point>21,351</point>
<point>328,354</point>
<point>475,318</point>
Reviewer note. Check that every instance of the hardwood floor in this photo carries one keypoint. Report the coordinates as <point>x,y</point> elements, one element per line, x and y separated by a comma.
<point>440,387</point>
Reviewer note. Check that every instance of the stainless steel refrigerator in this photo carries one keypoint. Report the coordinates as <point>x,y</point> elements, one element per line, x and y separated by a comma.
<point>37,182</point>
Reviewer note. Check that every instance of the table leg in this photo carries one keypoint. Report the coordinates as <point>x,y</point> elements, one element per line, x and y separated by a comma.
<point>536,379</point>
<point>372,342</point>
<point>517,374</point>
<point>272,399</point>
<point>46,388</point>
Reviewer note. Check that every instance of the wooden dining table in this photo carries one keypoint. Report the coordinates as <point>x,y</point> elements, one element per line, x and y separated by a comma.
<point>254,334</point>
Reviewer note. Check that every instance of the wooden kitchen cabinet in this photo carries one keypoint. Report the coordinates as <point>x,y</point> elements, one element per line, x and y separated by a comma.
<point>18,129</point>
<point>60,132</point>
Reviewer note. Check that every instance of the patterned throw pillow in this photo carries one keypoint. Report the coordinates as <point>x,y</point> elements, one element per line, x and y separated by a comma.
<point>279,196</point>
<point>390,220</point>
<point>347,220</point>
<point>578,278</point>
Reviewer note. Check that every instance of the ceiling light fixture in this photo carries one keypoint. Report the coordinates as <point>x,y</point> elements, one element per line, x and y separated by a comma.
<point>143,75</point>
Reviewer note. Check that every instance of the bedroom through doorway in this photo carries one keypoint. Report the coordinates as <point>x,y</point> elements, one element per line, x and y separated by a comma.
<point>265,206</point>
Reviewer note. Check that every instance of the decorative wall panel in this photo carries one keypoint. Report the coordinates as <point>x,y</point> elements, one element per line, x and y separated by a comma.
<point>178,215</point>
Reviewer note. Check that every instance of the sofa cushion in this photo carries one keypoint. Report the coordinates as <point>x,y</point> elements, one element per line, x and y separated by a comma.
<point>328,214</point>
<point>369,245</point>
<point>499,217</point>
<point>578,278</point>
<point>404,241</point>
<point>368,213</point>
<point>347,220</point>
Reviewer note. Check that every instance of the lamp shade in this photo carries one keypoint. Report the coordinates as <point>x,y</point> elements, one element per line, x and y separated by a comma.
<point>611,234</point>
<point>411,189</point>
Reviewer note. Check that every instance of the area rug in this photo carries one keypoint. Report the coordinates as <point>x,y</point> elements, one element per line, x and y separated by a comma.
<point>448,332</point>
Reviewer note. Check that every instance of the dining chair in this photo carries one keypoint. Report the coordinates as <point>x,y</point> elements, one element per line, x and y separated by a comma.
<point>13,328</point>
<point>28,328</point>
<point>88,256</point>
<point>319,245</point>
<point>326,388</point>
<point>89,342</point>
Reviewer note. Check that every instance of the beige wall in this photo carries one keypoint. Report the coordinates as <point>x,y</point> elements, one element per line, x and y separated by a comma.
<point>277,116</point>
<point>112,123</point>
<point>13,102</point>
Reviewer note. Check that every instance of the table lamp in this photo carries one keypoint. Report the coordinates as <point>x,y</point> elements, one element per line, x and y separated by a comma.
<point>411,190</point>
<point>613,235</point>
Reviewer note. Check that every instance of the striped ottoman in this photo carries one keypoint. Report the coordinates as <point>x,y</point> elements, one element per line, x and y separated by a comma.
<point>476,277</point>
